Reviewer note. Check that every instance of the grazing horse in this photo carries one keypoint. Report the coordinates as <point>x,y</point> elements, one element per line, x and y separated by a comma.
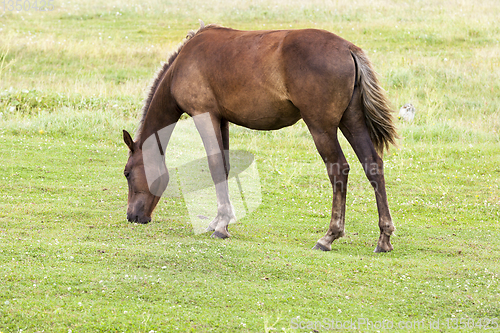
<point>265,80</point>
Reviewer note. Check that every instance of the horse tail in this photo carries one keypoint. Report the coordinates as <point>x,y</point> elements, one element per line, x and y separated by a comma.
<point>377,108</point>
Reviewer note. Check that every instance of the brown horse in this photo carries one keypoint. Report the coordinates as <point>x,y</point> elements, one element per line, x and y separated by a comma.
<point>265,80</point>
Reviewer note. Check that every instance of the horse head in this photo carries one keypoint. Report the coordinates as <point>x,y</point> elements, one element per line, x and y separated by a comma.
<point>147,178</point>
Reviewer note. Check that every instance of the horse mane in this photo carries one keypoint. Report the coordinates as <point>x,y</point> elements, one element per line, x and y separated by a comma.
<point>160,74</point>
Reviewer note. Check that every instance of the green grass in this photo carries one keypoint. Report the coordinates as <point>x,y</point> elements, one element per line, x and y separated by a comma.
<point>72,79</point>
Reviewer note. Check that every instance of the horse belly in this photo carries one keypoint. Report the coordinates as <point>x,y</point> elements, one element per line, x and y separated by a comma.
<point>258,98</point>
<point>262,114</point>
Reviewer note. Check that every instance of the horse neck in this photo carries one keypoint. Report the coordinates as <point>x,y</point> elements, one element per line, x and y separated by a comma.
<point>161,116</point>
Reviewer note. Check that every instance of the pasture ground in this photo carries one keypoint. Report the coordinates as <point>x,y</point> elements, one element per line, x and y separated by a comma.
<point>72,78</point>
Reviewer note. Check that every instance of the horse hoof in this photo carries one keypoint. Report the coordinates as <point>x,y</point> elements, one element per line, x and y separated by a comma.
<point>380,249</point>
<point>220,235</point>
<point>321,247</point>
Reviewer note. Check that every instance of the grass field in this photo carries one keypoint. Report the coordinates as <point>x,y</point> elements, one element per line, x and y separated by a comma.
<point>72,78</point>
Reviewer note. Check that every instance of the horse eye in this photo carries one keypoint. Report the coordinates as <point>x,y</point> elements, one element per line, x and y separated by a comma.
<point>127,174</point>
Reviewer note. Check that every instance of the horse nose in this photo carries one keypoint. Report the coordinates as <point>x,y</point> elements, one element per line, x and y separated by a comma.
<point>131,217</point>
<point>144,220</point>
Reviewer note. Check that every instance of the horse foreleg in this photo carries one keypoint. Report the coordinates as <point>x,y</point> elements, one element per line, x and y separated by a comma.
<point>211,132</point>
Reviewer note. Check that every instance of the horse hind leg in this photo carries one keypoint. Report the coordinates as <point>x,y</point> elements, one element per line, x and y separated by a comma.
<point>354,128</point>
<point>337,168</point>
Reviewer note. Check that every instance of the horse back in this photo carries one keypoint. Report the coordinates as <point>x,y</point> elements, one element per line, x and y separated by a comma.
<point>248,75</point>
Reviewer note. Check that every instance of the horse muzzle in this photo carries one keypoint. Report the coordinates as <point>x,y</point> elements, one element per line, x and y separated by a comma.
<point>138,219</point>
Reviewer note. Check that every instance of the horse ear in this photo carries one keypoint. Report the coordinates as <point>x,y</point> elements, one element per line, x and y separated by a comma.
<point>128,140</point>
